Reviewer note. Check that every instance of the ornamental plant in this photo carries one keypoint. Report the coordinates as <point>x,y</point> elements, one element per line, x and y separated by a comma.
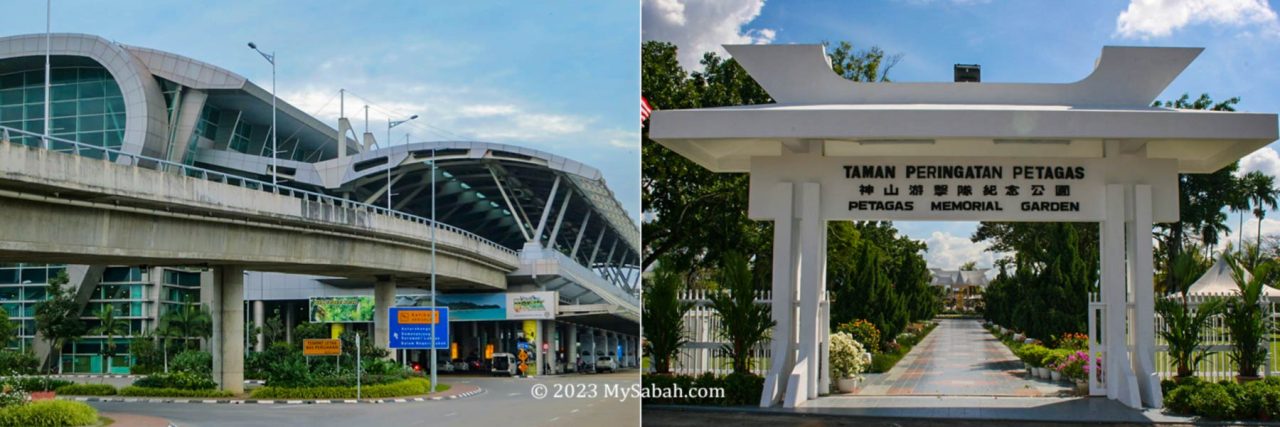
<point>1073,341</point>
<point>848,357</point>
<point>1075,366</point>
<point>862,331</point>
<point>1244,317</point>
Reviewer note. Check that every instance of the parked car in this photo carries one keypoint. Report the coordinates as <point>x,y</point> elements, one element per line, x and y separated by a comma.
<point>504,364</point>
<point>605,363</point>
<point>474,364</point>
<point>444,366</point>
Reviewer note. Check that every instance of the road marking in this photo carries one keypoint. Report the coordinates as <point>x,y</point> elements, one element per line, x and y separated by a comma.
<point>573,411</point>
<point>513,394</point>
<point>553,419</point>
<point>451,414</point>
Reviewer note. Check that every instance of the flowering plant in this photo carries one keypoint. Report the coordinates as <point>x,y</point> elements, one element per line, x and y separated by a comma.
<point>848,358</point>
<point>862,331</point>
<point>1073,341</point>
<point>1076,366</point>
<point>11,395</point>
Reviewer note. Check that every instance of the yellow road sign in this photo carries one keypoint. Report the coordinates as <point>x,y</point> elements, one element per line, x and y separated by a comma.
<point>320,347</point>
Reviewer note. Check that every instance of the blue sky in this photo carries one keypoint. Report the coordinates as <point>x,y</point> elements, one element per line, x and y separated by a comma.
<point>559,76</point>
<point>1014,41</point>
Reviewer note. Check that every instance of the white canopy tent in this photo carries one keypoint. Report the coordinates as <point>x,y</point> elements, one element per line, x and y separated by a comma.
<point>1218,282</point>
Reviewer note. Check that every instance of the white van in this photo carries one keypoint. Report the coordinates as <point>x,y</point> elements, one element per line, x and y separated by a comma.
<point>504,364</point>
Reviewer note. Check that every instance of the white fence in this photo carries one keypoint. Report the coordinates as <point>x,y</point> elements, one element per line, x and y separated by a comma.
<point>1217,365</point>
<point>704,351</point>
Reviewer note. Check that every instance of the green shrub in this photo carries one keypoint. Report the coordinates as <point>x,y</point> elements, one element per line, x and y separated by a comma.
<point>742,389</point>
<point>179,380</point>
<point>863,332</point>
<point>194,362</point>
<point>409,387</point>
<point>1034,354</point>
<point>87,390</point>
<point>35,383</point>
<point>1213,401</point>
<point>18,363</point>
<point>137,391</point>
<point>739,389</point>
<point>48,413</point>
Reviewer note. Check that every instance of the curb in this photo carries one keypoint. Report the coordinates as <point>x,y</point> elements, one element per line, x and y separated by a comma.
<point>269,402</point>
<point>73,376</point>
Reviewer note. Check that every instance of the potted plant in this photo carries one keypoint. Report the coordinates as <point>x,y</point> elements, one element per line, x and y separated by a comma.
<point>1182,331</point>
<point>1244,318</point>
<point>1076,369</point>
<point>848,359</point>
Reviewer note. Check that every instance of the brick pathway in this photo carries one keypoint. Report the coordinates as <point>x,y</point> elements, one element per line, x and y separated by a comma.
<point>960,358</point>
<point>135,420</point>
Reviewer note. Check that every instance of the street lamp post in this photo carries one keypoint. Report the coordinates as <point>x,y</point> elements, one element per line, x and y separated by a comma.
<point>271,57</point>
<point>433,265</point>
<point>48,37</point>
<point>391,124</point>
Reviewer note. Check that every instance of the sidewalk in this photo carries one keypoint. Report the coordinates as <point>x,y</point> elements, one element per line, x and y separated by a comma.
<point>959,358</point>
<point>133,420</point>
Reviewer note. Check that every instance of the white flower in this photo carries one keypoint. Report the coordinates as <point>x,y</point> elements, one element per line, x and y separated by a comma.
<point>848,357</point>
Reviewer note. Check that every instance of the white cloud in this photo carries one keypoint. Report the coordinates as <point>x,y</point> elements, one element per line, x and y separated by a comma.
<point>1269,226</point>
<point>1265,160</point>
<point>948,251</point>
<point>1159,18</point>
<point>700,26</point>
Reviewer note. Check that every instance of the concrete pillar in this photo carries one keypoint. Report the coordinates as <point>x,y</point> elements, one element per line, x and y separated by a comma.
<point>783,288</point>
<point>572,346</point>
<point>1122,385</point>
<point>228,338</point>
<point>1140,279</point>
<point>384,296</point>
<point>538,358</point>
<point>259,319</point>
<point>592,359</point>
<point>289,321</point>
<point>803,381</point>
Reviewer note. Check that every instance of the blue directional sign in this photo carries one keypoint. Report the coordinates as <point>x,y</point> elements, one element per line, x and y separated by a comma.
<point>413,327</point>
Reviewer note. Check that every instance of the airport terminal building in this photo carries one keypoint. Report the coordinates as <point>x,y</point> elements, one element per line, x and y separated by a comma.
<point>573,248</point>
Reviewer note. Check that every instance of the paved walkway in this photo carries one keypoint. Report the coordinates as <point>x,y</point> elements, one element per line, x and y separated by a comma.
<point>135,420</point>
<point>960,358</point>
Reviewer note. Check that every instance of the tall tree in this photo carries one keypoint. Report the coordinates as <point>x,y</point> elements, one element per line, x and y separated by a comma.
<point>187,322</point>
<point>1201,197</point>
<point>7,329</point>
<point>58,316</point>
<point>1261,190</point>
<point>698,216</point>
<point>109,326</point>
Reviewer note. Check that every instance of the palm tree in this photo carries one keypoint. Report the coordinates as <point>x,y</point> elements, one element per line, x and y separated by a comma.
<point>1245,319</point>
<point>1262,194</point>
<point>109,326</point>
<point>1239,203</point>
<point>189,321</point>
<point>745,322</point>
<point>664,318</point>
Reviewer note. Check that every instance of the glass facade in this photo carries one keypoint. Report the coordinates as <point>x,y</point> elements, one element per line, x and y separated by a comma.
<point>86,106</point>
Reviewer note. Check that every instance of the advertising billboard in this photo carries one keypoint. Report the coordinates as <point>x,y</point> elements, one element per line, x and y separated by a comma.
<point>351,309</point>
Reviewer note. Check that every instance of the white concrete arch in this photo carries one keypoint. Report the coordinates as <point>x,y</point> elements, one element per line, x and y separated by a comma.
<point>146,123</point>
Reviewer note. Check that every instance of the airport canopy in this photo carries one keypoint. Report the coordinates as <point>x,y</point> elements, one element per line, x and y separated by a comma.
<point>1218,282</point>
<point>978,120</point>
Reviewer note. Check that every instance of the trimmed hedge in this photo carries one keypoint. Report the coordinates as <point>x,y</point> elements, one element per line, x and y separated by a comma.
<point>137,391</point>
<point>177,380</point>
<point>411,387</point>
<point>30,384</point>
<point>884,361</point>
<point>1224,400</point>
<point>87,390</point>
<point>49,413</point>
<point>739,389</point>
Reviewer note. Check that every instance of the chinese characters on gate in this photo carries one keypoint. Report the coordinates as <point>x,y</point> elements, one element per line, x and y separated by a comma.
<point>974,188</point>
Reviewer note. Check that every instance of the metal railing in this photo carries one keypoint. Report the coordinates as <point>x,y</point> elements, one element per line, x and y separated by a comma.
<point>63,145</point>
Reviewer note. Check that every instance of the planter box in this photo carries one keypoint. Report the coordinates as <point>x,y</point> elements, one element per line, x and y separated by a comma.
<point>43,395</point>
<point>1057,376</point>
<point>846,385</point>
